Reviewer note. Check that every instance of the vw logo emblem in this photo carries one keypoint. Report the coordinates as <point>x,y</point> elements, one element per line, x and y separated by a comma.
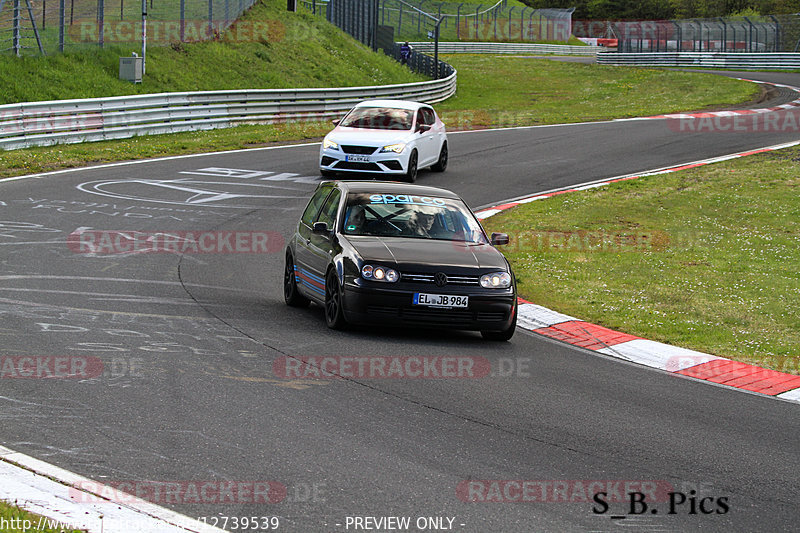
<point>440,278</point>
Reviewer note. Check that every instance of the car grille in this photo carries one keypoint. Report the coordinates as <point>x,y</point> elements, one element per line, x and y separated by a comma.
<point>451,280</point>
<point>351,165</point>
<point>327,160</point>
<point>363,150</point>
<point>436,316</point>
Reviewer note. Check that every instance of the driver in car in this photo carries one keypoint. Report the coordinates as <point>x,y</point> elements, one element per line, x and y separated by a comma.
<point>356,220</point>
<point>424,224</point>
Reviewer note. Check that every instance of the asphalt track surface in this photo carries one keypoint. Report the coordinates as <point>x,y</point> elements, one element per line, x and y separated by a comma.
<point>187,391</point>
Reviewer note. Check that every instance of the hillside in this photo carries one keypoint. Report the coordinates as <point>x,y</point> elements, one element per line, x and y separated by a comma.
<point>268,47</point>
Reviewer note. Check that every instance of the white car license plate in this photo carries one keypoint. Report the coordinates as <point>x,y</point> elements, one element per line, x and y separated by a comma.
<point>357,158</point>
<point>440,300</point>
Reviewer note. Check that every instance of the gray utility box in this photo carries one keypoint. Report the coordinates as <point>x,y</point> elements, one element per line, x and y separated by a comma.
<point>130,69</point>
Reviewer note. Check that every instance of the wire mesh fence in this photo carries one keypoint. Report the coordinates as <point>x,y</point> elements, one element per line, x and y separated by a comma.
<point>492,21</point>
<point>361,19</point>
<point>50,26</point>
<point>770,33</point>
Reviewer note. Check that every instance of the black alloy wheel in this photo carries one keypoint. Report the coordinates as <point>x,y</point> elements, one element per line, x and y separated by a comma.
<point>334,312</point>
<point>291,295</point>
<point>441,164</point>
<point>411,173</point>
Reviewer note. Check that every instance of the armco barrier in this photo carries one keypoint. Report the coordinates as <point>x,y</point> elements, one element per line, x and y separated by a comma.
<point>506,48</point>
<point>96,119</point>
<point>735,60</point>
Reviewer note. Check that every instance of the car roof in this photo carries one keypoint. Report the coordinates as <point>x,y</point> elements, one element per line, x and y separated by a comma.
<point>390,187</point>
<point>402,104</point>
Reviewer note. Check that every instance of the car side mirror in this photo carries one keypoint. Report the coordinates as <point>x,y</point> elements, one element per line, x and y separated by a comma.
<point>422,128</point>
<point>336,121</point>
<point>499,239</point>
<point>320,228</point>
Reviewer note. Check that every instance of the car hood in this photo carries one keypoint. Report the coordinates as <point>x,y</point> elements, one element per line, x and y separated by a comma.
<point>369,137</point>
<point>428,255</point>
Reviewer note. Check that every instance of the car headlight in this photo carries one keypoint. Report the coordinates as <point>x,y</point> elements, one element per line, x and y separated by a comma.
<point>496,280</point>
<point>327,143</point>
<point>396,148</point>
<point>379,273</point>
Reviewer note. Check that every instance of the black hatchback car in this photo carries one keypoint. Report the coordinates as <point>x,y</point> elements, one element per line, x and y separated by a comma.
<point>398,254</point>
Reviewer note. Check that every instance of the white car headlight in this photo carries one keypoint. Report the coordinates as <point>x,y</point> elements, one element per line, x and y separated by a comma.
<point>496,280</point>
<point>327,143</point>
<point>396,148</point>
<point>379,273</point>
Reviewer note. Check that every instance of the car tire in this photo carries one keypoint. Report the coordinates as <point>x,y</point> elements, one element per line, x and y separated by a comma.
<point>411,174</point>
<point>441,164</point>
<point>327,173</point>
<point>291,295</point>
<point>334,311</point>
<point>502,335</point>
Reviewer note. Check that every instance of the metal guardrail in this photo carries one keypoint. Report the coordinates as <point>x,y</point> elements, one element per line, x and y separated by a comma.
<point>506,48</point>
<point>97,119</point>
<point>735,60</point>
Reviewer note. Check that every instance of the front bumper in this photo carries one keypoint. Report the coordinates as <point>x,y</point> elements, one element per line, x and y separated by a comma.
<point>488,310</point>
<point>380,163</point>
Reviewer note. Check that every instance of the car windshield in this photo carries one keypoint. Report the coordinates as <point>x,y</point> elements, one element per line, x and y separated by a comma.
<point>379,118</point>
<point>411,216</point>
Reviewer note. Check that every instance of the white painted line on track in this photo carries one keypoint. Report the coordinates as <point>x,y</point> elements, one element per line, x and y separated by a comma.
<point>50,491</point>
<point>154,160</point>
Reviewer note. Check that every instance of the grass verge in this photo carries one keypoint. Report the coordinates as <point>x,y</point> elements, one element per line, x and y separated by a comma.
<point>496,91</point>
<point>492,92</point>
<point>16,520</point>
<point>703,258</point>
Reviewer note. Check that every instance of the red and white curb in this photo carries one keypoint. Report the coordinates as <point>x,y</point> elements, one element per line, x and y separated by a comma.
<point>709,114</point>
<point>555,325</point>
<point>53,492</point>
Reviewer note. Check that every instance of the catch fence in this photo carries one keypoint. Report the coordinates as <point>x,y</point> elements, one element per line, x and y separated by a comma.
<point>417,20</point>
<point>770,33</point>
<point>51,26</point>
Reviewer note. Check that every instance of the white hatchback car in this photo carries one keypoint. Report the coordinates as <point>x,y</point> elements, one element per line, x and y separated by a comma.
<point>388,137</point>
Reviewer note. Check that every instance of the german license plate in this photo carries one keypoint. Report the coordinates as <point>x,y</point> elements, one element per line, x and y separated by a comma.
<point>357,158</point>
<point>440,300</point>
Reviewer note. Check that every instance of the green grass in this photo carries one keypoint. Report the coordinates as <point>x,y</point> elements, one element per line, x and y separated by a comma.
<point>511,91</point>
<point>13,515</point>
<point>704,258</point>
<point>267,48</point>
